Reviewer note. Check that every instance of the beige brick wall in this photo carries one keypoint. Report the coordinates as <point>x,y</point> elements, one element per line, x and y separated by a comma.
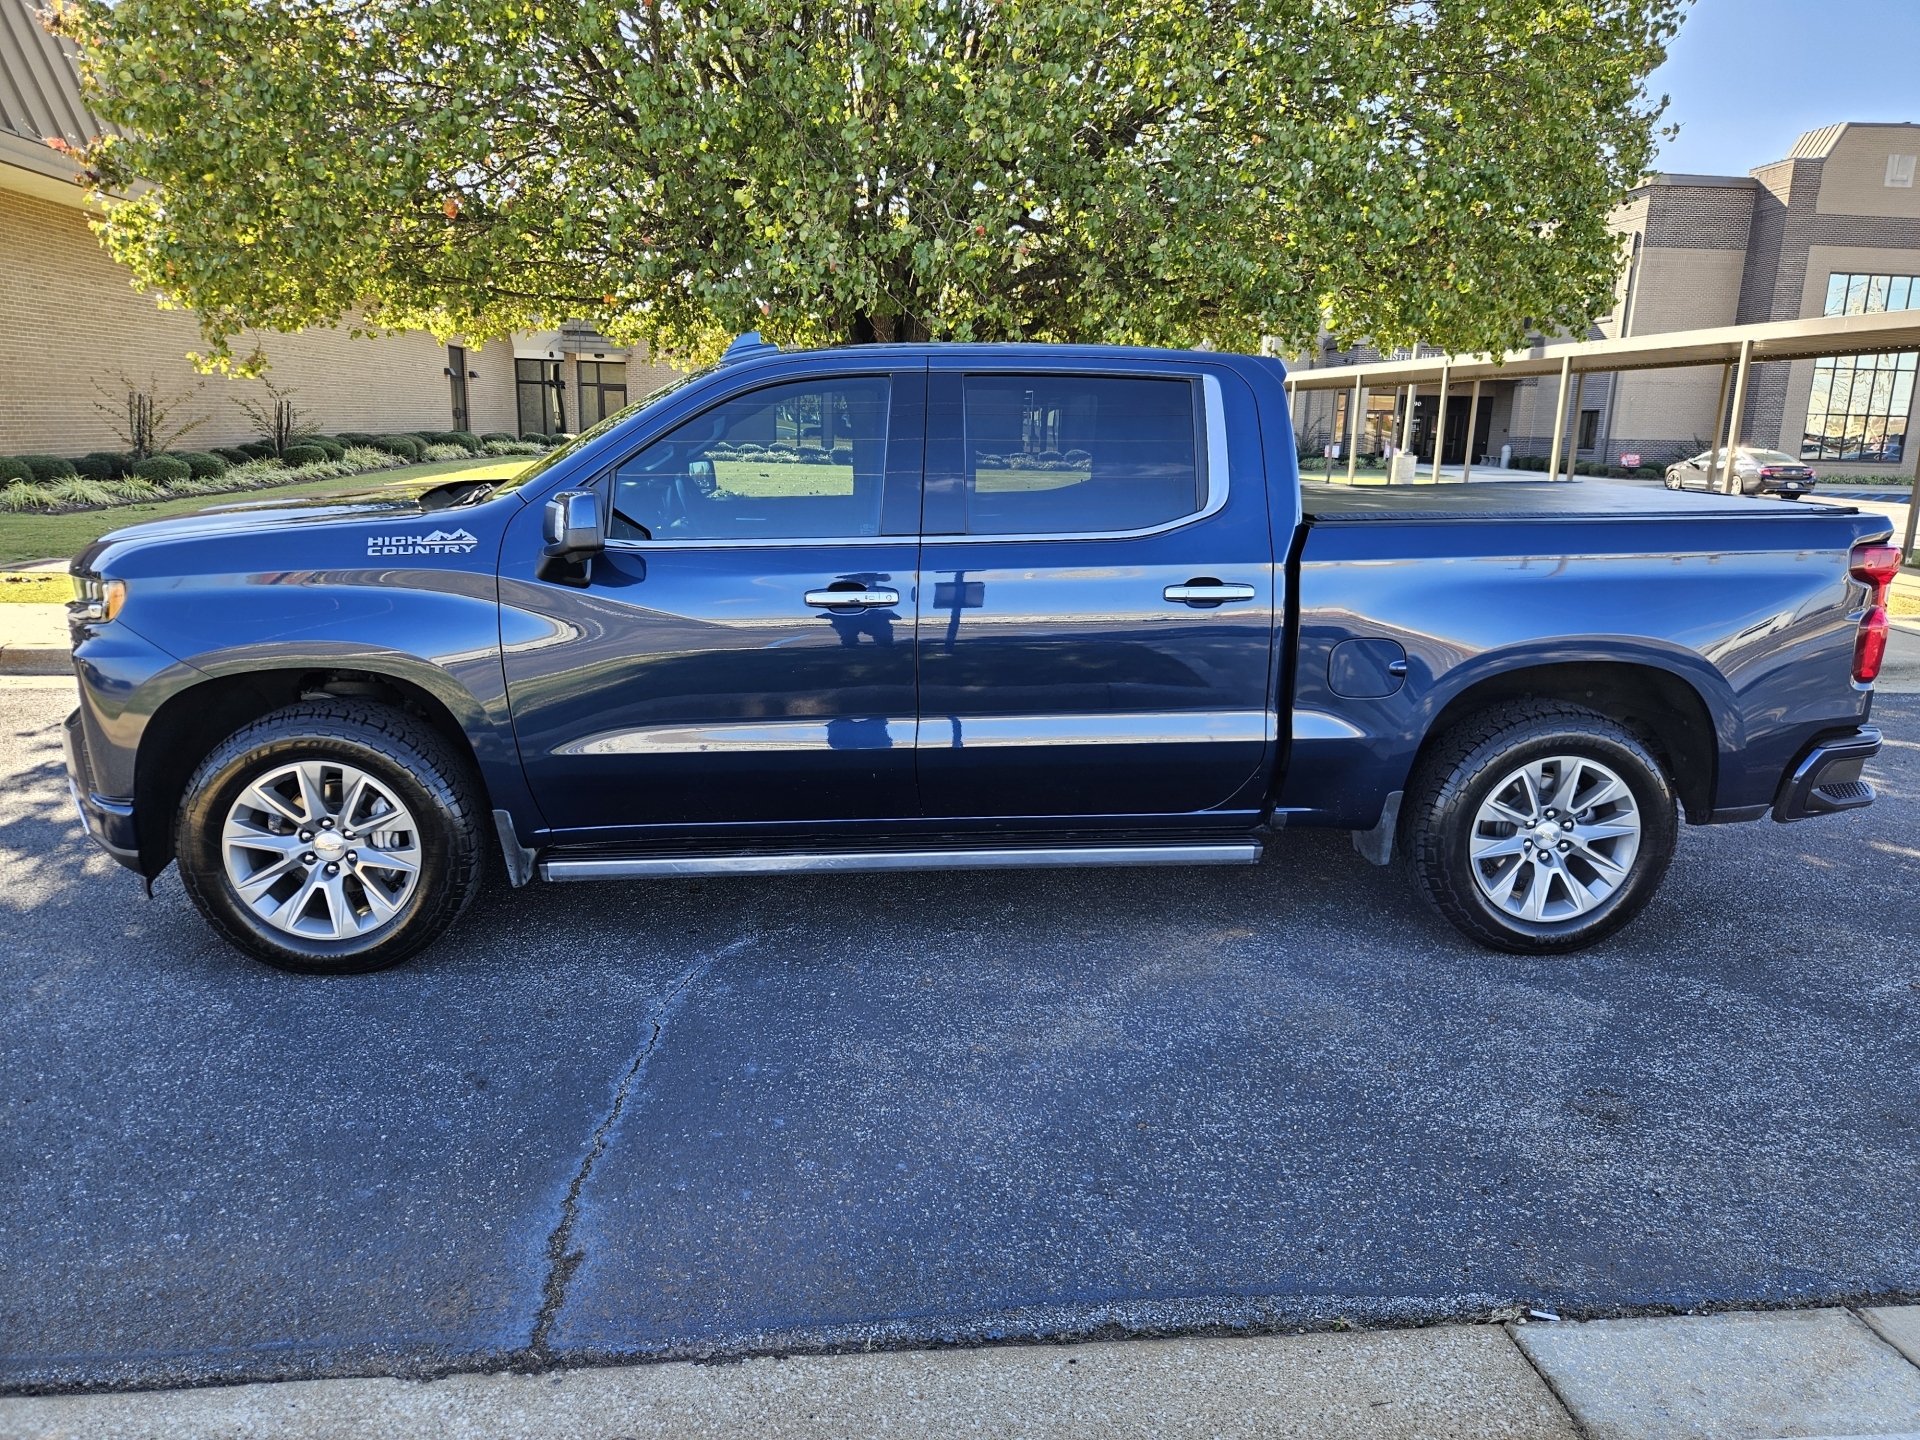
<point>1853,180</point>
<point>70,319</point>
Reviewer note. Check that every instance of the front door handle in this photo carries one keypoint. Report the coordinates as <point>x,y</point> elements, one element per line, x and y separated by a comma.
<point>838,599</point>
<point>1206,591</point>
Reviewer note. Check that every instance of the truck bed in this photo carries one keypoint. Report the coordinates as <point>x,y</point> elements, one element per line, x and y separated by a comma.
<point>1540,500</point>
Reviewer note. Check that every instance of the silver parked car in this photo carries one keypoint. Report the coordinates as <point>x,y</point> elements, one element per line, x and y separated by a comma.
<point>1761,472</point>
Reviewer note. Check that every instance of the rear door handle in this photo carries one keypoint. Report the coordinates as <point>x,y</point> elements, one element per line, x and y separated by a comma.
<point>1207,592</point>
<point>836,599</point>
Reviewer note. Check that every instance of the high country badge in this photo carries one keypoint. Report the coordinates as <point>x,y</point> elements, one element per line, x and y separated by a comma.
<point>436,542</point>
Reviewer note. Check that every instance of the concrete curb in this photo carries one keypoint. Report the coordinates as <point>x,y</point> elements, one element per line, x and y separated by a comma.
<point>1783,1373</point>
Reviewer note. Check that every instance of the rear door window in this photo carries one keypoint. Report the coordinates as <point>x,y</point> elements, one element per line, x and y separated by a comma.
<point>1080,454</point>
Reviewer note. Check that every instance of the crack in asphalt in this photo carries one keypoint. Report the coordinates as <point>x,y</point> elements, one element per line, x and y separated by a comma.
<point>562,1261</point>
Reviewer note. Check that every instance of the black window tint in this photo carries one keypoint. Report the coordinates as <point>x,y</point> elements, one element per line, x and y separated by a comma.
<point>1073,454</point>
<point>791,462</point>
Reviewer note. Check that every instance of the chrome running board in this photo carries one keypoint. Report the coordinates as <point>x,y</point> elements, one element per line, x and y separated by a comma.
<point>657,867</point>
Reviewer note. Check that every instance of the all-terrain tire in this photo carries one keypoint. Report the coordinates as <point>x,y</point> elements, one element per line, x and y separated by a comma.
<point>1465,772</point>
<point>434,784</point>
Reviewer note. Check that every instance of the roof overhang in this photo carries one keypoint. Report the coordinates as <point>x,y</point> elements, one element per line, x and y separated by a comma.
<point>1678,349</point>
<point>33,167</point>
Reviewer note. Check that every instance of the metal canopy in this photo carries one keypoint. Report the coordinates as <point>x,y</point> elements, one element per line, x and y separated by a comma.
<point>1778,340</point>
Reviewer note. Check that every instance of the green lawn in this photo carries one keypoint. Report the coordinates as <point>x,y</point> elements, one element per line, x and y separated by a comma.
<point>25,536</point>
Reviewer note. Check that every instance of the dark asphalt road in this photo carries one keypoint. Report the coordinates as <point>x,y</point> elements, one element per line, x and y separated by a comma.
<point>762,1115</point>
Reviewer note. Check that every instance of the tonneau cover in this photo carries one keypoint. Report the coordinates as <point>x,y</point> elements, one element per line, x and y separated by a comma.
<point>1541,500</point>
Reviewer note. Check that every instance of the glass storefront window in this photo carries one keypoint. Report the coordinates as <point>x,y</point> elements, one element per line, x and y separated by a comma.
<point>1858,408</point>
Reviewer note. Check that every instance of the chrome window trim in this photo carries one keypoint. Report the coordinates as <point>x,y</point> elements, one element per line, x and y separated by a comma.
<point>1212,401</point>
<point>1214,404</point>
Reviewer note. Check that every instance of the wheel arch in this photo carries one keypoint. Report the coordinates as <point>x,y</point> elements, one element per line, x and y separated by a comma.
<point>184,730</point>
<point>1663,708</point>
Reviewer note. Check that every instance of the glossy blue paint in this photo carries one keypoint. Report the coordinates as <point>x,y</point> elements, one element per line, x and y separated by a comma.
<point>1021,682</point>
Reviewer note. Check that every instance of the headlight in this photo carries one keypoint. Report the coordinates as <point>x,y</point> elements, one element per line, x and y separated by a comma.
<point>97,599</point>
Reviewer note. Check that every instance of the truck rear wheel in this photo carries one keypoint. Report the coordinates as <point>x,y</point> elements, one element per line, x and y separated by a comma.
<point>1539,827</point>
<point>331,837</point>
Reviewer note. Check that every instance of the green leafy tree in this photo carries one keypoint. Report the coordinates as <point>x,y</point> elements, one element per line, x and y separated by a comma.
<point>675,171</point>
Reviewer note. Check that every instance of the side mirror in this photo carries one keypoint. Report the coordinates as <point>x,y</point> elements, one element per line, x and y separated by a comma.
<point>575,530</point>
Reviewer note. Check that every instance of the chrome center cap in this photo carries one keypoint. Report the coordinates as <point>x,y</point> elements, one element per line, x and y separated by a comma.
<point>329,845</point>
<point>1547,834</point>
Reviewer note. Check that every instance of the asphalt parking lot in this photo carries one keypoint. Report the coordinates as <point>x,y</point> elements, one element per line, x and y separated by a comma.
<point>752,1116</point>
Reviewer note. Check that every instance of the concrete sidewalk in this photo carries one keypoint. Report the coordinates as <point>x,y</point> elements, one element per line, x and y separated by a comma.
<point>34,640</point>
<point>1805,1373</point>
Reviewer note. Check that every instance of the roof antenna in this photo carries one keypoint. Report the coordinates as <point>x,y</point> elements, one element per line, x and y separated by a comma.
<point>746,347</point>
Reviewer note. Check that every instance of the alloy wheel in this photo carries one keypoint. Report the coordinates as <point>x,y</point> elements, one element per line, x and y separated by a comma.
<point>1555,839</point>
<point>321,850</point>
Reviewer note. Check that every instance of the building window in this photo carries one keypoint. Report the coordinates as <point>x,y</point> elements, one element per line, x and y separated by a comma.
<point>541,392</point>
<point>1589,429</point>
<point>1900,172</point>
<point>1858,409</point>
<point>603,391</point>
<point>1871,294</point>
<point>457,379</point>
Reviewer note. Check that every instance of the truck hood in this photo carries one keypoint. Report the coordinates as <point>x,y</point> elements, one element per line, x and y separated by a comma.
<point>384,505</point>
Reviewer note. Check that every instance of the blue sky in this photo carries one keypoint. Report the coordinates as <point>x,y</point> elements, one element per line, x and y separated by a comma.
<point>1746,77</point>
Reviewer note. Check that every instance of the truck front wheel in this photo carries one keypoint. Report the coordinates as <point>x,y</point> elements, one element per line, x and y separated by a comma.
<point>1539,827</point>
<point>331,837</point>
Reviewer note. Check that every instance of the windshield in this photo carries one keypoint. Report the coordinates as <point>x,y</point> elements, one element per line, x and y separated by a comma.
<point>586,437</point>
<point>1770,457</point>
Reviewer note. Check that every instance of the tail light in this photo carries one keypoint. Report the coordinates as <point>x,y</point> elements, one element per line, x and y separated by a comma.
<point>1870,645</point>
<point>1875,566</point>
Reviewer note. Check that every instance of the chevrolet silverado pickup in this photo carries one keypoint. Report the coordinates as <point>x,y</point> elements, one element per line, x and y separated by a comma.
<point>912,607</point>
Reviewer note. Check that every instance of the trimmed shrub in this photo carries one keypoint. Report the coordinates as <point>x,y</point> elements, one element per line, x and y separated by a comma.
<point>257,450</point>
<point>466,438</point>
<point>11,469</point>
<point>163,469</point>
<point>499,436</point>
<point>333,448</point>
<point>203,464</point>
<point>405,446</point>
<point>351,438</point>
<point>304,454</point>
<point>48,468</point>
<point>119,465</point>
<point>95,467</point>
<point>232,456</point>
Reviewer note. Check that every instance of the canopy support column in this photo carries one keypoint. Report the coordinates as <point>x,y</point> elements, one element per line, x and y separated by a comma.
<point>1355,420</point>
<point>1473,429</point>
<point>1559,418</point>
<point>1730,478</point>
<point>1713,438</point>
<point>1440,423</point>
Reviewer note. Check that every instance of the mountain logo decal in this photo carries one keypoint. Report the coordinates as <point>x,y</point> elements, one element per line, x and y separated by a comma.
<point>434,542</point>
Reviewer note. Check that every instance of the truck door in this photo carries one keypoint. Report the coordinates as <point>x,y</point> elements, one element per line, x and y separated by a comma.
<point>744,652</point>
<point>1097,602</point>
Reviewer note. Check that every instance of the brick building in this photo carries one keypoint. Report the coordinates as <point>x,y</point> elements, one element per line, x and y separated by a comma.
<point>1832,229</point>
<point>72,327</point>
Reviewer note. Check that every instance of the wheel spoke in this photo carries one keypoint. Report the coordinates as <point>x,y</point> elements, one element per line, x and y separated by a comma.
<point>1502,891</point>
<point>261,863</point>
<point>352,802</point>
<point>1485,847</point>
<point>259,797</point>
<point>265,878</point>
<point>404,862</point>
<point>310,792</point>
<point>1535,907</point>
<point>384,907</point>
<point>1509,814</point>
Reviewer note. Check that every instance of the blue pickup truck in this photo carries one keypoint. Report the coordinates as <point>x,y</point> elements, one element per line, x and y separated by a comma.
<point>911,607</point>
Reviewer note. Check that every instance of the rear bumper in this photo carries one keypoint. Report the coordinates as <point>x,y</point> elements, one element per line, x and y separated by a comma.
<point>108,818</point>
<point>1826,778</point>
